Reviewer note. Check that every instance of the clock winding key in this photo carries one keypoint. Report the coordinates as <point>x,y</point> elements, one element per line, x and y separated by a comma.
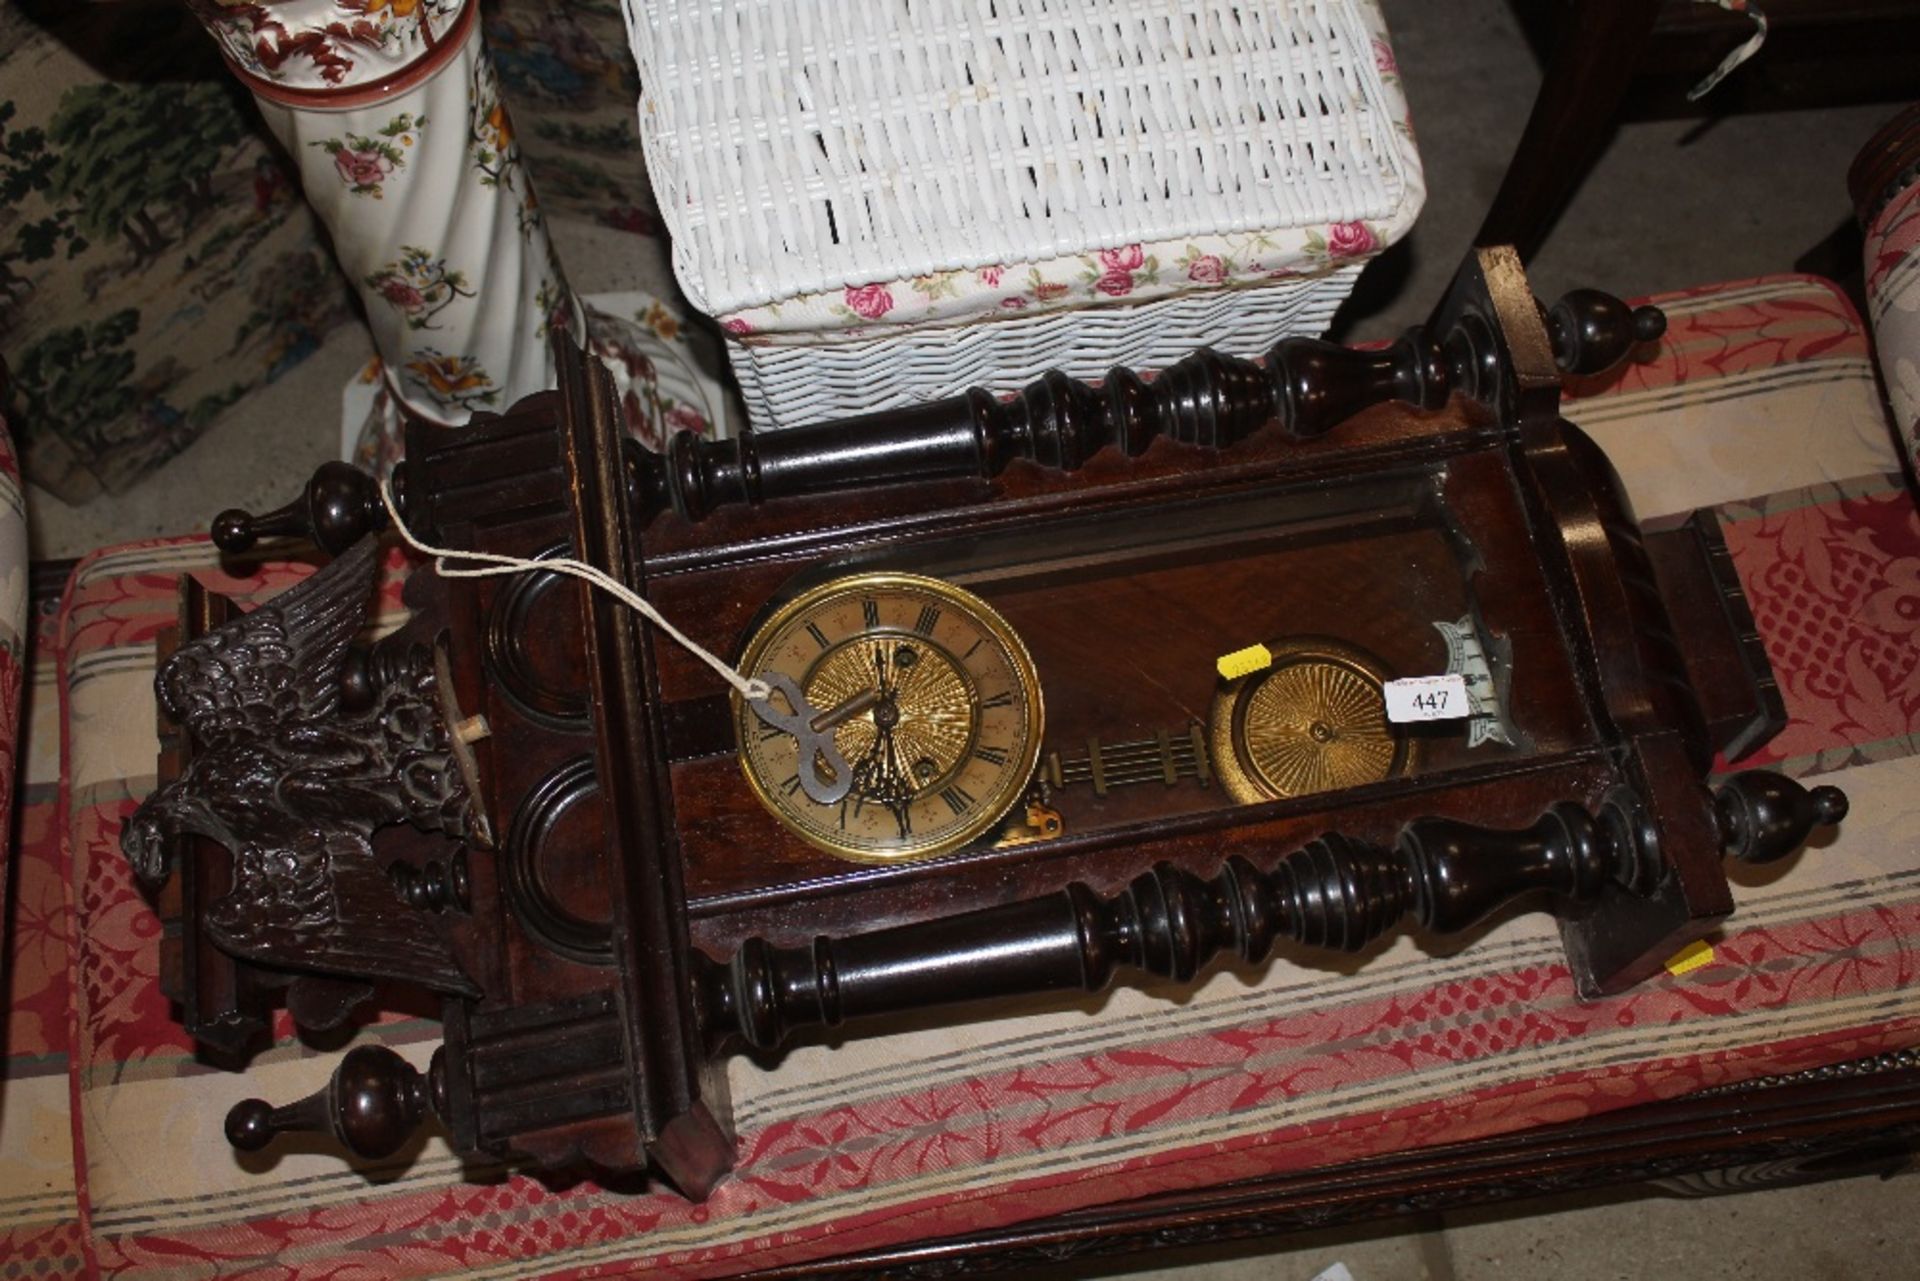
<point>812,733</point>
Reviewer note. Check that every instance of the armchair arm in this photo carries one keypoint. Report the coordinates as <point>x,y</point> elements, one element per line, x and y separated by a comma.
<point>13,626</point>
<point>1884,182</point>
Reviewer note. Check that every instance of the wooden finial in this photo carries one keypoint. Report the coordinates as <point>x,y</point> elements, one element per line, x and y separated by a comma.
<point>372,1105</point>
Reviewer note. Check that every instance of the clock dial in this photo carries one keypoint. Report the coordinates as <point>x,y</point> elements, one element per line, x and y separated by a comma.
<point>1314,720</point>
<point>931,699</point>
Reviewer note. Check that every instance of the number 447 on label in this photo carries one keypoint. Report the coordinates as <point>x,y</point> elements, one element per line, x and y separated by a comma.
<point>1427,698</point>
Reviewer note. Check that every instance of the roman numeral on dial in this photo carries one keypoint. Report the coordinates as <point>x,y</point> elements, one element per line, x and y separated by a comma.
<point>991,755</point>
<point>957,799</point>
<point>928,620</point>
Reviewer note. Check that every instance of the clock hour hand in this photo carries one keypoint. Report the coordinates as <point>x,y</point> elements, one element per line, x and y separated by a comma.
<point>816,746</point>
<point>878,776</point>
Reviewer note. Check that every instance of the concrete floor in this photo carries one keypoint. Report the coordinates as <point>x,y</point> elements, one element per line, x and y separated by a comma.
<point>1671,204</point>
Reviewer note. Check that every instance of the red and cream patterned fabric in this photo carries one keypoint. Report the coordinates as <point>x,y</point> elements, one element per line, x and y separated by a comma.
<point>921,1132</point>
<point>40,1233</point>
<point>39,1210</point>
<point>1762,402</point>
<point>13,627</point>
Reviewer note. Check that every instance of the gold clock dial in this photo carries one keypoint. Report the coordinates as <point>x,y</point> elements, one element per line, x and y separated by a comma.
<point>931,699</point>
<point>1315,720</point>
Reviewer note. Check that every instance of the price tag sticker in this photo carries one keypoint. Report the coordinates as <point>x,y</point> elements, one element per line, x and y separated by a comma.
<point>1244,662</point>
<point>1427,698</point>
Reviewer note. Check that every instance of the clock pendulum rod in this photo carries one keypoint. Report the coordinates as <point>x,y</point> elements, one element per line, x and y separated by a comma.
<point>1167,757</point>
<point>1306,385</point>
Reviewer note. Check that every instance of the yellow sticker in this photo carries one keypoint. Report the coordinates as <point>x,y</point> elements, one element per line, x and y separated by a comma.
<point>1690,958</point>
<point>1244,662</point>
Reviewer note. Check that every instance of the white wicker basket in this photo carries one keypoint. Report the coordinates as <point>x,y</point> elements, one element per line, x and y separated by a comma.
<point>785,385</point>
<point>804,151</point>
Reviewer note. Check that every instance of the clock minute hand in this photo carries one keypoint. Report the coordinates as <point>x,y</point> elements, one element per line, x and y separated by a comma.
<point>845,711</point>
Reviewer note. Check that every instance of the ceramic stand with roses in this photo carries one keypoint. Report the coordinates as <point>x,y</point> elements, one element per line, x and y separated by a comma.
<point>392,110</point>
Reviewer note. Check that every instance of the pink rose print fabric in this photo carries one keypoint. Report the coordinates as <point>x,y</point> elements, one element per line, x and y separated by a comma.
<point>1117,267</point>
<point>1350,239</point>
<point>869,302</point>
<point>1207,269</point>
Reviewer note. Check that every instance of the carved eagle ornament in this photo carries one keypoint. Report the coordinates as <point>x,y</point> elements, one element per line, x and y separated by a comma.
<point>293,786</point>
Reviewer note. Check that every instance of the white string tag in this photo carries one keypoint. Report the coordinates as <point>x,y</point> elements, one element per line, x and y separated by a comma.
<point>824,773</point>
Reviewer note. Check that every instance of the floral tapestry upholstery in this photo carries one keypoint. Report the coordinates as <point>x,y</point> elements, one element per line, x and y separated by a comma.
<point>157,259</point>
<point>1056,1104</point>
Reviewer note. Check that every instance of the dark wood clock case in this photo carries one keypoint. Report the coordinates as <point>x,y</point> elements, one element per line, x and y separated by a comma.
<point>567,853</point>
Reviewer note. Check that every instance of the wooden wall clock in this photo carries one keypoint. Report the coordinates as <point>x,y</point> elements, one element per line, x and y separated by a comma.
<point>1090,681</point>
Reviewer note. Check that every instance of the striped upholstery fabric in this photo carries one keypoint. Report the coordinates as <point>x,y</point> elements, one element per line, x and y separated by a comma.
<point>13,627</point>
<point>1761,401</point>
<point>36,1165</point>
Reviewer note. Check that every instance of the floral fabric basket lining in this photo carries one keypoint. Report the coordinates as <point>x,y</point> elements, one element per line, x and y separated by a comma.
<point>861,190</point>
<point>788,383</point>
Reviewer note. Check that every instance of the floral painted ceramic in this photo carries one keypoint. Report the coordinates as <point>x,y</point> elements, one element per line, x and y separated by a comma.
<point>407,151</point>
<point>393,112</point>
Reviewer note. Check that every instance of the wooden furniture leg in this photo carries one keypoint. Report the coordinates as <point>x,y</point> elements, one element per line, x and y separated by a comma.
<point>1592,64</point>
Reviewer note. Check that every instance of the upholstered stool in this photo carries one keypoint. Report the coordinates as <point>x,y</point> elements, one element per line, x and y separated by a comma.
<point>885,204</point>
<point>1050,1107</point>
